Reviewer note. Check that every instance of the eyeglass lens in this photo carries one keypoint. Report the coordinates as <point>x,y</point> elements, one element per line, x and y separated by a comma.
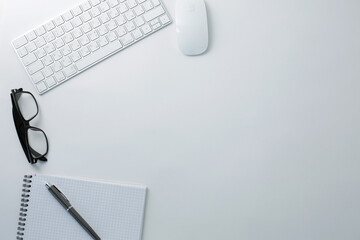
<point>37,142</point>
<point>27,105</point>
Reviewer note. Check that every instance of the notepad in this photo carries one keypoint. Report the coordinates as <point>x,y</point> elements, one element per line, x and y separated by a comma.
<point>114,211</point>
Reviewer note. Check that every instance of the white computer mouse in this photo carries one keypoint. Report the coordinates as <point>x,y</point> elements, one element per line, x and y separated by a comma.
<point>191,26</point>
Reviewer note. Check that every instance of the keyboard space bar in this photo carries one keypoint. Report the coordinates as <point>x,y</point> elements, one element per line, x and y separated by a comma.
<point>98,55</point>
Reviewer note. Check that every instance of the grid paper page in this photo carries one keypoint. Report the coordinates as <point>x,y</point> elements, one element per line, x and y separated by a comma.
<point>114,211</point>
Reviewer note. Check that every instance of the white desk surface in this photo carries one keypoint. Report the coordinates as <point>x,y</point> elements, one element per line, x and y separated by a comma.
<point>257,139</point>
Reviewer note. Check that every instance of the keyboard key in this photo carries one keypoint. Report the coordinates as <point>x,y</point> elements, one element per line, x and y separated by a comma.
<point>104,6</point>
<point>86,17</point>
<point>47,72</point>
<point>47,60</point>
<point>164,19</point>
<point>49,48</point>
<point>153,13</point>
<point>93,35</point>
<point>103,41</point>
<point>95,23</point>
<point>85,6</point>
<point>68,38</point>
<point>67,16</point>
<point>130,26</point>
<point>77,33</point>
<point>58,21</point>
<point>93,46</point>
<point>49,37</point>
<point>31,47</point>
<point>40,31</point>
<point>66,50</point>
<point>57,66</point>
<point>98,55</point>
<point>59,43</point>
<point>84,40</point>
<point>155,21</point>
<point>21,41</point>
<point>104,18</point>
<point>69,71</point>
<point>156,26</point>
<point>59,76</point>
<point>22,52</point>
<point>95,12</point>
<point>120,31</point>
<point>40,53</point>
<point>76,22</point>
<point>56,55</point>
<point>146,29</point>
<point>102,30</point>
<point>155,2</point>
<point>94,2</point>
<point>113,13</point>
<point>84,51</point>
<point>41,87</point>
<point>137,34</point>
<point>49,26</point>
<point>76,11</point>
<point>139,10</point>
<point>50,82</point>
<point>127,39</point>
<point>31,36</point>
<point>111,36</point>
<point>111,25</point>
<point>75,45</point>
<point>68,27</point>
<point>129,15</point>
<point>34,67</point>
<point>37,77</point>
<point>113,3</point>
<point>30,58</point>
<point>66,61</point>
<point>120,20</point>
<point>131,3</point>
<point>59,32</point>
<point>139,21</point>
<point>123,8</point>
<point>147,5</point>
<point>75,56</point>
<point>86,28</point>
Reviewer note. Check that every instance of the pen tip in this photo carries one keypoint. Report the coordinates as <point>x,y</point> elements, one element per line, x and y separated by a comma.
<point>47,185</point>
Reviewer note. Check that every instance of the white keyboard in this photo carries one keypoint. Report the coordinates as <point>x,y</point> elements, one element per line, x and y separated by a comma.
<point>81,37</point>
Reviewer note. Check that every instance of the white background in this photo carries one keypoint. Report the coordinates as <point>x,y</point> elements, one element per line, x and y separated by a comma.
<point>256,139</point>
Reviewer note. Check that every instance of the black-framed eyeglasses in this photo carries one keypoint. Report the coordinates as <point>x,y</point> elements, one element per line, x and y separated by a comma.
<point>33,140</point>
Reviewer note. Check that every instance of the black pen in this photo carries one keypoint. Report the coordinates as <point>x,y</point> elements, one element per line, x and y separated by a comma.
<point>66,204</point>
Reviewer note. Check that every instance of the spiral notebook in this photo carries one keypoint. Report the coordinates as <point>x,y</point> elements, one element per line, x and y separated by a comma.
<point>114,211</point>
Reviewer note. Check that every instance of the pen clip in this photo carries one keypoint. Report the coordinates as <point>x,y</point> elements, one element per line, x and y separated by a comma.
<point>61,193</point>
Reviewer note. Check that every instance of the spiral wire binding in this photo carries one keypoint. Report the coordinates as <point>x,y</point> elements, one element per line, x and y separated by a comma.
<point>23,206</point>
